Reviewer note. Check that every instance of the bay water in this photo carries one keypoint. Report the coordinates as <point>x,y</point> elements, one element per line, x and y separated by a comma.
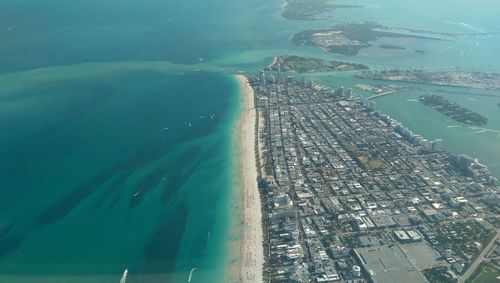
<point>117,123</point>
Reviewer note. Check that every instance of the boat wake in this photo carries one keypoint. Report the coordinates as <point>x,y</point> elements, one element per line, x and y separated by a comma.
<point>473,28</point>
<point>190,274</point>
<point>484,130</point>
<point>124,276</point>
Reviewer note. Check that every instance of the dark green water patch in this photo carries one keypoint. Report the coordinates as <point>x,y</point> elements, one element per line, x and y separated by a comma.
<point>160,254</point>
<point>170,170</point>
<point>101,173</point>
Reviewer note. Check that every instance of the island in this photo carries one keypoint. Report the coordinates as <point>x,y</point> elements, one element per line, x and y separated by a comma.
<point>349,38</point>
<point>453,110</point>
<point>300,64</point>
<point>308,10</point>
<point>466,79</point>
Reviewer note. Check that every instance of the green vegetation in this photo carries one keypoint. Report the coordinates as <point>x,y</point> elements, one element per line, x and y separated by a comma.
<point>453,110</point>
<point>485,273</point>
<point>439,275</point>
<point>461,238</point>
<point>349,38</point>
<point>308,10</point>
<point>479,80</point>
<point>312,65</point>
<point>363,32</point>
<point>368,164</point>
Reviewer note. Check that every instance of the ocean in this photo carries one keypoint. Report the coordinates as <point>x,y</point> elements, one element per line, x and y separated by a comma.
<point>118,118</point>
<point>103,173</point>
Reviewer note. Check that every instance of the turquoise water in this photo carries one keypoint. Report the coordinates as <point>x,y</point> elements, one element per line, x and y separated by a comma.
<point>117,121</point>
<point>105,173</point>
<point>462,53</point>
<point>479,142</point>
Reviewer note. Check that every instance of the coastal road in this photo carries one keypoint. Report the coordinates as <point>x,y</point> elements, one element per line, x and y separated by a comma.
<point>479,259</point>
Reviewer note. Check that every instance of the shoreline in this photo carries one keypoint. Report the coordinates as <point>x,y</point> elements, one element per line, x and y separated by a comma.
<point>251,245</point>
<point>275,60</point>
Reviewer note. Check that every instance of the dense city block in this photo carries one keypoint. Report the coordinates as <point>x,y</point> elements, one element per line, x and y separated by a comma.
<point>351,195</point>
<point>479,80</point>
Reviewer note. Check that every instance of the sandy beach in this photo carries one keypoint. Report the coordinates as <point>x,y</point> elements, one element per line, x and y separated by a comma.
<point>252,254</point>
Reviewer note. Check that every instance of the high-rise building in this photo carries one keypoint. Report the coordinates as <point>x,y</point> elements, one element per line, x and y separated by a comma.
<point>272,79</point>
<point>437,145</point>
<point>348,93</point>
<point>281,77</point>
<point>356,271</point>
